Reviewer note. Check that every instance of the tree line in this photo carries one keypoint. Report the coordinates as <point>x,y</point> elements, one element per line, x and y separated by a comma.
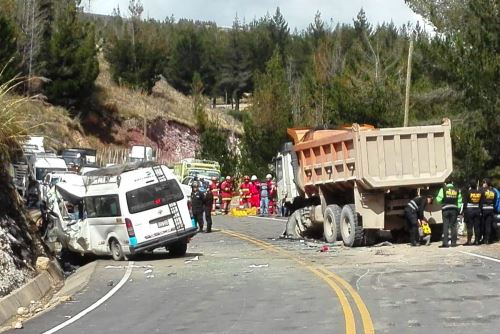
<point>323,76</point>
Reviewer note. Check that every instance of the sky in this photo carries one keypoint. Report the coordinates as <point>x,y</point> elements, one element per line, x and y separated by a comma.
<point>298,13</point>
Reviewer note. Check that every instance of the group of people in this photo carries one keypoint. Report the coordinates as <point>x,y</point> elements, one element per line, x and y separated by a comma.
<point>253,194</point>
<point>477,205</point>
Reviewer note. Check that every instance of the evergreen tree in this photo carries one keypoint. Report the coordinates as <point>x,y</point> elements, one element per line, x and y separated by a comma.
<point>73,66</point>
<point>270,116</point>
<point>9,61</point>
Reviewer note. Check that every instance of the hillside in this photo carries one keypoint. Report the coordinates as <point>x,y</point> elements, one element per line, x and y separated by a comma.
<point>113,120</point>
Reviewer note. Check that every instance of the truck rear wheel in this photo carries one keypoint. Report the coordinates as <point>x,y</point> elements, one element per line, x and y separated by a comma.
<point>351,231</point>
<point>331,225</point>
<point>294,226</point>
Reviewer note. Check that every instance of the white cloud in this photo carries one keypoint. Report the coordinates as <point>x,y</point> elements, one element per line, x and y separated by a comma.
<point>298,13</point>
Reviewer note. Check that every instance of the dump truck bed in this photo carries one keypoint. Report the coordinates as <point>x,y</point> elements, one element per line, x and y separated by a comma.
<point>376,158</point>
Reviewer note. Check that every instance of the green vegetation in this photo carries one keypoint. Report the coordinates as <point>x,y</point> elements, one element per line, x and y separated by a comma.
<point>325,75</point>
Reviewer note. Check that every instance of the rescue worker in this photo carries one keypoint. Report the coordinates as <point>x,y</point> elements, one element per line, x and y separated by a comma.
<point>227,194</point>
<point>264,199</point>
<point>245,194</point>
<point>450,198</point>
<point>489,200</point>
<point>271,189</point>
<point>214,189</point>
<point>414,214</point>
<point>207,207</point>
<point>197,205</point>
<point>472,212</point>
<point>254,190</point>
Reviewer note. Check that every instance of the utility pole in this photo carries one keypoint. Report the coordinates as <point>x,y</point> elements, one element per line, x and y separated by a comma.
<point>408,83</point>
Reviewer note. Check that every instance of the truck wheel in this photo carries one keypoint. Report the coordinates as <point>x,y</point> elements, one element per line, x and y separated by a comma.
<point>331,225</point>
<point>352,232</point>
<point>178,248</point>
<point>117,250</point>
<point>294,226</point>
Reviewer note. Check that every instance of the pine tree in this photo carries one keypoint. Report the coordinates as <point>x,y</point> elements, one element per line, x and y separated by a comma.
<point>73,66</point>
<point>9,61</point>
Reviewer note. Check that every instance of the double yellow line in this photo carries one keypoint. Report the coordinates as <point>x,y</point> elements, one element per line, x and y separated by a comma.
<point>335,282</point>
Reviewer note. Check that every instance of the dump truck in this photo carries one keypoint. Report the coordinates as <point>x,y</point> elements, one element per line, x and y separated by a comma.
<point>355,181</point>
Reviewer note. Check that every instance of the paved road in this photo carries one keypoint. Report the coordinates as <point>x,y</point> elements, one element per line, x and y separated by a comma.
<point>247,280</point>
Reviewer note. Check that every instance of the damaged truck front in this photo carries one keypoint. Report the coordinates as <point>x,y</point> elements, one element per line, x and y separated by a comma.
<point>119,211</point>
<point>355,181</point>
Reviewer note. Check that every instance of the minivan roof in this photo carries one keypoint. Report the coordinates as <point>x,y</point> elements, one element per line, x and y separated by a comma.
<point>116,170</point>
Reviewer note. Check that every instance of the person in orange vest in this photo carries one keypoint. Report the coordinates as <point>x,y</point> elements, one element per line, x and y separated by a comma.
<point>214,189</point>
<point>245,194</point>
<point>227,194</point>
<point>255,192</point>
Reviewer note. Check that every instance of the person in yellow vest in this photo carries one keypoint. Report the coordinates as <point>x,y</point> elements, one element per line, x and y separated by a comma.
<point>450,199</point>
<point>488,202</point>
<point>472,212</point>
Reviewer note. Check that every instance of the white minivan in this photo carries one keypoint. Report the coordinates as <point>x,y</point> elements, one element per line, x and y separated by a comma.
<point>126,209</point>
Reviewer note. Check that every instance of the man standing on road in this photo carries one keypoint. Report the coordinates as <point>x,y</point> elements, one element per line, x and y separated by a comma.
<point>245,194</point>
<point>451,200</point>
<point>207,205</point>
<point>197,205</point>
<point>414,212</point>
<point>214,189</point>
<point>472,211</point>
<point>489,200</point>
<point>264,199</point>
<point>254,190</point>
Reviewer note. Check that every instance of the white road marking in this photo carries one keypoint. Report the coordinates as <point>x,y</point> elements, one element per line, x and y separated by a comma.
<point>482,256</point>
<point>269,218</point>
<point>97,303</point>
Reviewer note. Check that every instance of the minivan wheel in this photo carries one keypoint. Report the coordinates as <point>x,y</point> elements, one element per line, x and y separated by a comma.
<point>178,248</point>
<point>117,250</point>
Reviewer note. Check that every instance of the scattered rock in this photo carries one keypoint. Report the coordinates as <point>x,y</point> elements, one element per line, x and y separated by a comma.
<point>22,311</point>
<point>17,325</point>
<point>258,266</point>
<point>111,283</point>
<point>148,271</point>
<point>65,298</point>
<point>42,263</point>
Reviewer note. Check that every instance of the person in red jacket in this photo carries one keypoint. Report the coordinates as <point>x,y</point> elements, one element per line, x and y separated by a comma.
<point>255,192</point>
<point>245,194</point>
<point>214,189</point>
<point>227,194</point>
<point>272,194</point>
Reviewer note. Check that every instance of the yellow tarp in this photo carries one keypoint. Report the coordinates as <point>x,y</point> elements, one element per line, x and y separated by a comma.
<point>237,212</point>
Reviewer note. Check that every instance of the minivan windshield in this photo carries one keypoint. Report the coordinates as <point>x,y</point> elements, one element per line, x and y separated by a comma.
<point>153,196</point>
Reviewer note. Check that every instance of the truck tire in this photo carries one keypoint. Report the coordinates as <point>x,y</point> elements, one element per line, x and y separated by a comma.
<point>331,225</point>
<point>178,248</point>
<point>350,229</point>
<point>294,226</point>
<point>117,250</point>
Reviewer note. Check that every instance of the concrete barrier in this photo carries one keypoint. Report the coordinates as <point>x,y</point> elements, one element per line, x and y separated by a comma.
<point>34,290</point>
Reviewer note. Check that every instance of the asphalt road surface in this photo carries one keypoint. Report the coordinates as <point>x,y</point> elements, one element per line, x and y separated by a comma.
<point>244,279</point>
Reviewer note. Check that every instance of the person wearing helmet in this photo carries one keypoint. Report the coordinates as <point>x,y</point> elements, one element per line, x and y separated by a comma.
<point>245,194</point>
<point>197,205</point>
<point>264,199</point>
<point>214,189</point>
<point>227,194</point>
<point>202,184</point>
<point>254,192</point>
<point>271,188</point>
<point>488,202</point>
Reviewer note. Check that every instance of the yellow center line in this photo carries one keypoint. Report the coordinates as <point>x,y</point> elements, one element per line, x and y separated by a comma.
<point>350,323</point>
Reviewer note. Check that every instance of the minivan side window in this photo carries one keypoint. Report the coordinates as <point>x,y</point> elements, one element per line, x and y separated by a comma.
<point>102,206</point>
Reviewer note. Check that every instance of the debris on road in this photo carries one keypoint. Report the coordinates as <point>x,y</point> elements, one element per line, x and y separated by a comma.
<point>148,271</point>
<point>196,258</point>
<point>172,274</point>
<point>258,266</point>
<point>22,311</point>
<point>324,249</point>
<point>111,283</point>
<point>114,267</point>
<point>385,243</point>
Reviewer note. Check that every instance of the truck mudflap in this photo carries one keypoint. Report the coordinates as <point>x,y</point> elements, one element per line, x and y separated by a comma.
<point>163,241</point>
